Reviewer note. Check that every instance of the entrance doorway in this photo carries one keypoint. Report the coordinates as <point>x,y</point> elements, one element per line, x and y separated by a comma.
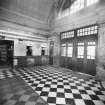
<point>51,52</point>
<point>6,53</point>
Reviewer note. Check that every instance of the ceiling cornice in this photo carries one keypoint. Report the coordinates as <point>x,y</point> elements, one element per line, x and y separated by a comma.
<point>7,20</point>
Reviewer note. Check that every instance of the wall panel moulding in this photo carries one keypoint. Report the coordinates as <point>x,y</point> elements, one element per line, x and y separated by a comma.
<point>24,39</point>
<point>22,34</point>
<point>16,36</point>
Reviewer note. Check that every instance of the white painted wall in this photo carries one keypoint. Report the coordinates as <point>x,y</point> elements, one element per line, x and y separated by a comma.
<point>19,48</point>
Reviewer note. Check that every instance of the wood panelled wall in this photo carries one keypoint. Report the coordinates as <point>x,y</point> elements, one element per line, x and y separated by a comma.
<point>30,61</point>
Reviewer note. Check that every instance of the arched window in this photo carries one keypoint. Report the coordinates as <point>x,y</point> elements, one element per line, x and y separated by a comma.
<point>90,2</point>
<point>76,6</point>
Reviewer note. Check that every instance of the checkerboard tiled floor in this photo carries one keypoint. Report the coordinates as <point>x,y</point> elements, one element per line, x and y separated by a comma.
<point>22,98</point>
<point>14,91</point>
<point>59,88</point>
<point>7,73</point>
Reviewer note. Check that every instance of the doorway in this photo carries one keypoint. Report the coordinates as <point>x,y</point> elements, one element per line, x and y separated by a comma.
<point>51,51</point>
<point>6,53</point>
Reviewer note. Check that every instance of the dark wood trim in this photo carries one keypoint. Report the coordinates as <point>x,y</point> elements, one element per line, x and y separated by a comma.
<point>29,61</point>
<point>82,65</point>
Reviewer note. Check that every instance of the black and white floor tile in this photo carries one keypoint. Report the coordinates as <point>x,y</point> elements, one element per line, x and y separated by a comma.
<point>59,88</point>
<point>7,74</point>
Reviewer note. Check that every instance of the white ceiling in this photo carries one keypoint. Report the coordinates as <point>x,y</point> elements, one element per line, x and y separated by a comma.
<point>32,13</point>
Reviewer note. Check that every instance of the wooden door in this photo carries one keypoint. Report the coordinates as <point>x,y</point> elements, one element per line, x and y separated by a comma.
<point>51,52</point>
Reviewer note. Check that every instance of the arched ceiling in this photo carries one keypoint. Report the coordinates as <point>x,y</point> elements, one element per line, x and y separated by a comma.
<point>38,9</point>
<point>32,13</point>
<point>29,13</point>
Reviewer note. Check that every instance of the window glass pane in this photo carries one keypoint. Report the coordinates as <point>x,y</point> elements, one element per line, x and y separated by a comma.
<point>92,30</point>
<point>63,45</point>
<point>80,50</point>
<point>90,2</point>
<point>63,49</point>
<point>76,6</point>
<point>67,35</point>
<point>95,31</point>
<point>91,52</point>
<point>70,51</point>
<point>96,27</point>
